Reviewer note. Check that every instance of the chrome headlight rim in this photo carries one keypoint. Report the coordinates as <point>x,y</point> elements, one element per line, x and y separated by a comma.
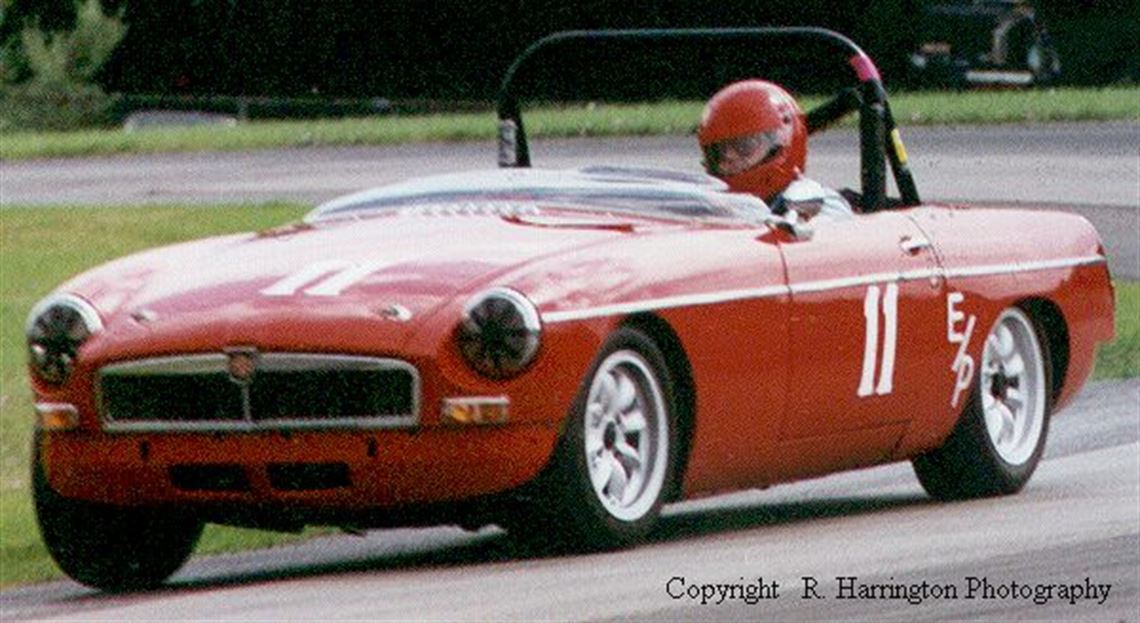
<point>53,339</point>
<point>504,321</point>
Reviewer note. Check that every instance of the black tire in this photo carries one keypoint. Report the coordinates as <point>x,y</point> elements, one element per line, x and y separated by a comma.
<point>112,548</point>
<point>971,463</point>
<point>564,509</point>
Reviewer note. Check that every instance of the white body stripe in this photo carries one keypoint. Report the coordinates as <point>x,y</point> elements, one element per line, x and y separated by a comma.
<point>684,300</point>
<point>864,280</point>
<point>725,296</point>
<point>293,282</point>
<point>1024,267</point>
<point>334,285</point>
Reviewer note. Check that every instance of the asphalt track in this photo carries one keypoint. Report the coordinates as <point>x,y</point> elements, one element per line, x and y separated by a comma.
<point>1074,528</point>
<point>1089,168</point>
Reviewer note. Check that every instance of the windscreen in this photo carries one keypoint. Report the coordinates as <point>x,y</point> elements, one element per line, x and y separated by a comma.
<point>500,192</point>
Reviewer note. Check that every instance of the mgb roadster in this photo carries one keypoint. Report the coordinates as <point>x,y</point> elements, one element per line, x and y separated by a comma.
<point>559,352</point>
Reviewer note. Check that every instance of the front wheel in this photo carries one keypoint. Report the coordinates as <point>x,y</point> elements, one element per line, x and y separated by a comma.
<point>610,473</point>
<point>108,547</point>
<point>998,441</point>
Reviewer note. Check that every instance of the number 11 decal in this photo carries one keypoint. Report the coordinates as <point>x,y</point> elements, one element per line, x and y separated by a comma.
<point>890,310</point>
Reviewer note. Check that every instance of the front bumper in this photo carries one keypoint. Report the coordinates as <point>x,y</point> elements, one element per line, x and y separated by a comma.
<point>326,471</point>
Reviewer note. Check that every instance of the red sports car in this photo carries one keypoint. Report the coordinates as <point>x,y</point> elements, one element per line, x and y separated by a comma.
<point>557,352</point>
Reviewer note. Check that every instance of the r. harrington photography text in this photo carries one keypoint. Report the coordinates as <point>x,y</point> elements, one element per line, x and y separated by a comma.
<point>758,589</point>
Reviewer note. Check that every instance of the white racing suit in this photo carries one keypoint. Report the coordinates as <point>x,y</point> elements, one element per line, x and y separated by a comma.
<point>810,199</point>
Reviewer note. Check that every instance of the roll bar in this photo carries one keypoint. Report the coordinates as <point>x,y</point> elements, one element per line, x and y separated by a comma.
<point>879,138</point>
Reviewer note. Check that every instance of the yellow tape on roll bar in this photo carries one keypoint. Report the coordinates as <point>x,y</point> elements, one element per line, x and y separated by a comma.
<point>900,150</point>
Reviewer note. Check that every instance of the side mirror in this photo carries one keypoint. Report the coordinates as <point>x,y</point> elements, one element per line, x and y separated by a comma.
<point>791,225</point>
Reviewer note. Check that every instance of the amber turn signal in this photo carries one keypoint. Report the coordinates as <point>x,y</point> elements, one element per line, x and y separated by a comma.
<point>475,411</point>
<point>56,416</point>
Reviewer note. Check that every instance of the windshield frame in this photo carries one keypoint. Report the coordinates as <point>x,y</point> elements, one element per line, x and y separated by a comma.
<point>500,192</point>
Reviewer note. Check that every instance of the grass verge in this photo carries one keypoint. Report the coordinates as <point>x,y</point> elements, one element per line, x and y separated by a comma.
<point>973,107</point>
<point>1120,358</point>
<point>41,247</point>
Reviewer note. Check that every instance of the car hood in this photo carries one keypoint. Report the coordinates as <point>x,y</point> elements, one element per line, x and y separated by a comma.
<point>310,284</point>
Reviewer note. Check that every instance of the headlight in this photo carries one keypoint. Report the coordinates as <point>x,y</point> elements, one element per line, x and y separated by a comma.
<point>57,326</point>
<point>500,332</point>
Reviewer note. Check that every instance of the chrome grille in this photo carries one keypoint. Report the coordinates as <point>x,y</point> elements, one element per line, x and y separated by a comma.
<point>285,390</point>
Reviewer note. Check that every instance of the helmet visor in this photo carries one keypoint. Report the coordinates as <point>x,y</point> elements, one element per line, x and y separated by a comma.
<point>738,154</point>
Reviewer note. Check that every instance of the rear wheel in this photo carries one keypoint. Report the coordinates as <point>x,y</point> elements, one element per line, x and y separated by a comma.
<point>999,439</point>
<point>108,547</point>
<point>615,462</point>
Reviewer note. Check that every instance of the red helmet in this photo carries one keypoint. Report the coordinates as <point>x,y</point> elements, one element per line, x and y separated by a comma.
<point>754,137</point>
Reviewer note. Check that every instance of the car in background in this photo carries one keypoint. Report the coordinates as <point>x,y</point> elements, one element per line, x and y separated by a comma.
<point>983,43</point>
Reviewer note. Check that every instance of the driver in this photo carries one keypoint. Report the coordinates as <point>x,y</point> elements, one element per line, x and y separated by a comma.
<point>753,136</point>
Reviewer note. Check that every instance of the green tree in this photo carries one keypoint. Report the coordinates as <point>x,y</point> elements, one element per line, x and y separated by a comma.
<point>47,79</point>
<point>8,52</point>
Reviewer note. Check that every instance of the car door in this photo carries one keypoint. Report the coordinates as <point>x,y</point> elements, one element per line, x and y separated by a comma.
<point>867,333</point>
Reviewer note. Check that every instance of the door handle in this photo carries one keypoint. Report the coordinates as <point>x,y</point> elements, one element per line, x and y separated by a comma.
<point>912,246</point>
